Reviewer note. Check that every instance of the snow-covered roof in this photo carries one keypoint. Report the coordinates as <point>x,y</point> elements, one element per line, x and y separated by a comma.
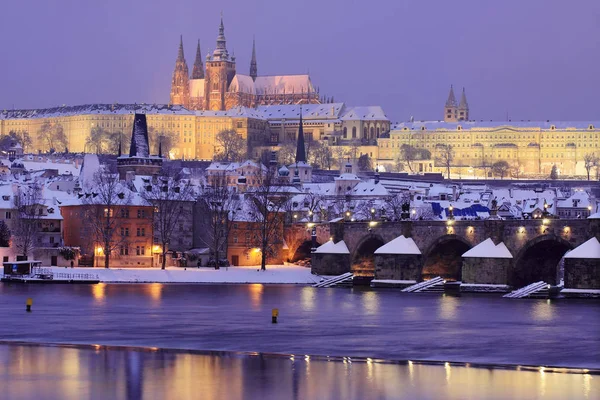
<point>283,84</point>
<point>594,216</point>
<point>400,245</point>
<point>309,111</point>
<point>364,113</point>
<point>491,125</point>
<point>333,248</point>
<point>487,249</point>
<point>589,249</point>
<point>581,198</point>
<point>63,111</point>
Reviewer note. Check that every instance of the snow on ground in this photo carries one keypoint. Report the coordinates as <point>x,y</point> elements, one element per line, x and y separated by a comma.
<point>273,274</point>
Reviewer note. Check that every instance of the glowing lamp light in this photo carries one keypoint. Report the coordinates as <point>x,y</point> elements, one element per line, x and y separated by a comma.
<point>522,229</point>
<point>310,224</point>
<point>347,213</point>
<point>156,249</point>
<point>310,213</point>
<point>99,250</point>
<point>295,215</point>
<point>449,222</point>
<point>414,211</point>
<point>545,221</point>
<point>451,208</point>
<point>372,223</point>
<point>589,208</point>
<point>372,211</point>
<point>256,249</point>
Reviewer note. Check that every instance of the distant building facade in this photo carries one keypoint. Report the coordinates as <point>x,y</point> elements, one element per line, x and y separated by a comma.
<point>530,147</point>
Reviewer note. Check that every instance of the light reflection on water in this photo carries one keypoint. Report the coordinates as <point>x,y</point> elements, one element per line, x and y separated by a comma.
<point>448,307</point>
<point>542,310</point>
<point>129,374</point>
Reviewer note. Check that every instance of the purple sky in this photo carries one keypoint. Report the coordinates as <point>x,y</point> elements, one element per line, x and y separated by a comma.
<point>535,59</point>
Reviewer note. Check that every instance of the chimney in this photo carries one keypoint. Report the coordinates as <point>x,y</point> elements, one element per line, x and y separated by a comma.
<point>129,176</point>
<point>332,111</point>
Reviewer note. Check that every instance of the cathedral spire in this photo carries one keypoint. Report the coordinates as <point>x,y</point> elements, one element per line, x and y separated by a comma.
<point>300,149</point>
<point>253,67</point>
<point>220,52</point>
<point>451,102</point>
<point>463,100</point>
<point>463,107</point>
<point>180,56</point>
<point>198,71</point>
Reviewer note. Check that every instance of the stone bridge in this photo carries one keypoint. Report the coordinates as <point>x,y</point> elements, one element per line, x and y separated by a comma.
<point>536,245</point>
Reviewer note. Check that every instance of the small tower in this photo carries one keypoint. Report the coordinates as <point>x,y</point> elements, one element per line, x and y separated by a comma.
<point>253,66</point>
<point>198,71</point>
<point>220,70</point>
<point>301,169</point>
<point>139,161</point>
<point>180,84</point>
<point>463,107</point>
<point>451,109</point>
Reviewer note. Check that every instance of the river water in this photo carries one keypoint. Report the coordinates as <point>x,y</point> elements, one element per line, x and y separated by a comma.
<point>39,373</point>
<point>379,323</point>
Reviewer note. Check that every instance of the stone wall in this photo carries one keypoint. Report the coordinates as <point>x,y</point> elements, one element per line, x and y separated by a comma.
<point>493,271</point>
<point>582,273</point>
<point>398,266</point>
<point>330,264</point>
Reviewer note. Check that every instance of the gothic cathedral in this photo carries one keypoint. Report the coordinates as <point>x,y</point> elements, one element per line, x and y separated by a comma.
<point>220,88</point>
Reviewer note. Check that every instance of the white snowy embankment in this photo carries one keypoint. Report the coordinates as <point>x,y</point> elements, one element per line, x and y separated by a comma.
<point>273,274</point>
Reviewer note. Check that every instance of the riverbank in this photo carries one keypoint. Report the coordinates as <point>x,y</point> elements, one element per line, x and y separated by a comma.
<point>279,274</point>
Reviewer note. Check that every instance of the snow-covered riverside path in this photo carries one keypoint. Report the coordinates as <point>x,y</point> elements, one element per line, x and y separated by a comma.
<point>380,323</point>
<point>273,274</point>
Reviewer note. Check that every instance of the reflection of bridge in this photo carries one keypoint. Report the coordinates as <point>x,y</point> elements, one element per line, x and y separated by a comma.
<point>537,246</point>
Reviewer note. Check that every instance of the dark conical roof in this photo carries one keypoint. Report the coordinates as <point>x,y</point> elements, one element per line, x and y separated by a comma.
<point>300,149</point>
<point>451,102</point>
<point>180,56</point>
<point>463,100</point>
<point>139,137</point>
<point>198,71</point>
<point>253,66</point>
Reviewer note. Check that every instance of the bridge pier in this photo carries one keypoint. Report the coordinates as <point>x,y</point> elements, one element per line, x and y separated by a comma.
<point>401,267</point>
<point>490,271</point>
<point>330,264</point>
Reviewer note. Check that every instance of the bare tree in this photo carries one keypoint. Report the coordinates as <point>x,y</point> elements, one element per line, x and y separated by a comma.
<point>287,152</point>
<point>28,203</point>
<point>230,147</point>
<point>500,168</point>
<point>95,142</point>
<point>53,137</point>
<point>408,154</point>
<point>268,202</point>
<point>5,234</point>
<point>338,155</point>
<point>219,203</point>
<point>445,157</point>
<point>397,206</point>
<point>103,207</point>
<point>353,150</point>
<point>589,161</point>
<point>172,199</point>
<point>320,155</point>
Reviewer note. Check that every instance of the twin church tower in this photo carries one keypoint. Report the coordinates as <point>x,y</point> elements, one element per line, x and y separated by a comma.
<point>218,87</point>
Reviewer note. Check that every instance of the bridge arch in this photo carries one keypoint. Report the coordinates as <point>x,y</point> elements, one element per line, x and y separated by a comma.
<point>444,257</point>
<point>539,259</point>
<point>303,251</point>
<point>363,257</point>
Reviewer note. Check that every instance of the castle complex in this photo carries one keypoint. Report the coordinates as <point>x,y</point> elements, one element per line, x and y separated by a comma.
<point>221,88</point>
<point>265,111</point>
